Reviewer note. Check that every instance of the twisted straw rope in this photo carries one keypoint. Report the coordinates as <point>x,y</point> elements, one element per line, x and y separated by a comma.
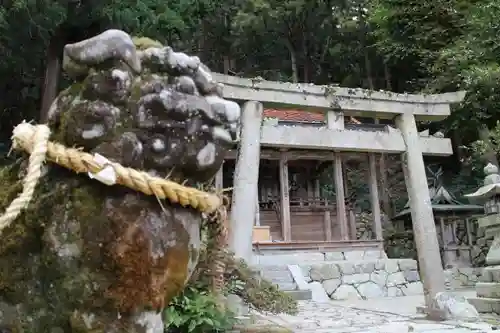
<point>35,140</point>
<point>40,139</point>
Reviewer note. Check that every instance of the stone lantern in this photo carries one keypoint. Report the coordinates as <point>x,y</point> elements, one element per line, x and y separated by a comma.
<point>489,196</point>
<point>488,289</point>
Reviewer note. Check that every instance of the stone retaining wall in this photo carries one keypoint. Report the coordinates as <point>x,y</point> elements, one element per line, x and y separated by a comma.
<point>367,279</point>
<point>460,278</point>
<point>360,274</point>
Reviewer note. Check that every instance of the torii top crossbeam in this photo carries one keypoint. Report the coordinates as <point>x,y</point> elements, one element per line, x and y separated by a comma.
<point>355,101</point>
<point>337,102</point>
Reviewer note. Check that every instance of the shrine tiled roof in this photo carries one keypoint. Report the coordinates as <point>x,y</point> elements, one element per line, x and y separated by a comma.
<point>301,116</point>
<point>295,115</point>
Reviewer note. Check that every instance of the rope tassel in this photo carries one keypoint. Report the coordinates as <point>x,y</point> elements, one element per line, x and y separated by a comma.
<point>35,140</point>
<point>40,139</point>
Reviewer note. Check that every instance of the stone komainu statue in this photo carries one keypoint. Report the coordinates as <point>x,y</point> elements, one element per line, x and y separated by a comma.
<point>86,257</point>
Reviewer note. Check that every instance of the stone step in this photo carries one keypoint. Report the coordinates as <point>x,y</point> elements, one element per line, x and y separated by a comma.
<point>488,289</point>
<point>274,270</point>
<point>279,275</point>
<point>285,286</point>
<point>288,258</point>
<point>485,305</point>
<point>490,274</point>
<point>315,257</point>
<point>300,295</point>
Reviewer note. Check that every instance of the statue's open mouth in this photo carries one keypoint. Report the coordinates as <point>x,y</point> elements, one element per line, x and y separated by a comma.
<point>167,99</point>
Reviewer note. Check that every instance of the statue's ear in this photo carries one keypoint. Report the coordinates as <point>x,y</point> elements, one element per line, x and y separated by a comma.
<point>110,45</point>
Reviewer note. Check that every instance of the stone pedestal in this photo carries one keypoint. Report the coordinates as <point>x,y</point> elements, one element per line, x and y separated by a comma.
<point>488,291</point>
<point>488,287</point>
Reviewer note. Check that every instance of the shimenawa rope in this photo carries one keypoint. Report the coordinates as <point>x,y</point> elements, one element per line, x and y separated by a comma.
<point>35,140</point>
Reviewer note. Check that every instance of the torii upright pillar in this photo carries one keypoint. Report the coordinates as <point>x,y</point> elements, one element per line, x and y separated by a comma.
<point>424,228</point>
<point>246,178</point>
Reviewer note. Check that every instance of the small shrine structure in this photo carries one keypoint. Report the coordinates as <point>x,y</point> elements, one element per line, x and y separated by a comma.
<point>285,144</point>
<point>448,213</point>
<point>488,288</point>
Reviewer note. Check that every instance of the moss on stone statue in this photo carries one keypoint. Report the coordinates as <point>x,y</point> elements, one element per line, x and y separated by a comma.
<point>58,198</point>
<point>143,43</point>
<point>20,234</point>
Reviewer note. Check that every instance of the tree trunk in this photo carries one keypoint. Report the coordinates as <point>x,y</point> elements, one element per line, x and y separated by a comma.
<point>384,184</point>
<point>489,155</point>
<point>368,67</point>
<point>307,61</point>
<point>227,64</point>
<point>457,145</point>
<point>293,59</point>
<point>384,187</point>
<point>387,75</point>
<point>366,53</point>
<point>203,43</point>
<point>51,77</point>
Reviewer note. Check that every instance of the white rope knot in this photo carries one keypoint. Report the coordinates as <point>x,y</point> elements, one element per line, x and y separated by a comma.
<point>40,136</point>
<point>107,175</point>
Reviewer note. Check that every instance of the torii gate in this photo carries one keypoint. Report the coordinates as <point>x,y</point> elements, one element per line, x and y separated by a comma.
<point>337,103</point>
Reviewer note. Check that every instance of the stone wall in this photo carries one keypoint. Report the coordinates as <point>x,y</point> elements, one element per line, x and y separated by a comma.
<point>367,278</point>
<point>460,278</point>
<point>400,244</point>
<point>481,245</point>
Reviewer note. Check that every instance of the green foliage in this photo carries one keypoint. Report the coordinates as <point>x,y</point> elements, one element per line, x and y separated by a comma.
<point>256,291</point>
<point>479,147</point>
<point>471,63</point>
<point>197,311</point>
<point>411,34</point>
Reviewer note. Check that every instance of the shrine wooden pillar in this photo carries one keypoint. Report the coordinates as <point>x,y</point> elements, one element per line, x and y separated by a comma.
<point>340,197</point>
<point>374,196</point>
<point>286,227</point>
<point>351,217</point>
<point>335,121</point>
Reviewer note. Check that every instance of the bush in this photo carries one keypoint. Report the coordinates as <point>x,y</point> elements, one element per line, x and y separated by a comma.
<point>197,311</point>
<point>261,294</point>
